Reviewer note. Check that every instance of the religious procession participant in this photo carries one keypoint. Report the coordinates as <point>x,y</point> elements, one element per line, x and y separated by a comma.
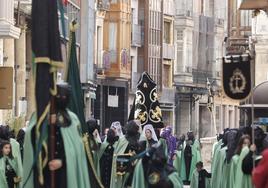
<point>153,171</point>
<point>148,135</point>
<point>171,143</point>
<point>70,163</point>
<point>244,141</point>
<point>106,154</point>
<point>190,156</point>
<point>92,143</point>
<point>177,160</point>
<point>5,136</point>
<point>201,177</point>
<point>117,127</point>
<point>114,141</point>
<point>8,167</point>
<point>127,146</point>
<point>218,162</point>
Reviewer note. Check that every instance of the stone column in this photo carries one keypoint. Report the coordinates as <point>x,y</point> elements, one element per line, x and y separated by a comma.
<point>30,87</point>
<point>20,69</point>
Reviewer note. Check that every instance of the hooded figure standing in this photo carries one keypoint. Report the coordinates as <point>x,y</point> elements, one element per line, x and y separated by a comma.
<point>70,163</point>
<point>171,143</point>
<point>190,156</point>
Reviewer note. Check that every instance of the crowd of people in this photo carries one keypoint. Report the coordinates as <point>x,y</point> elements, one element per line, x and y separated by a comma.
<point>128,155</point>
<point>236,159</point>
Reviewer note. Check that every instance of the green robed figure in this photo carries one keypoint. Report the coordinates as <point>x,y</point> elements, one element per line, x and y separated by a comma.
<point>190,155</point>
<point>70,164</point>
<point>153,171</point>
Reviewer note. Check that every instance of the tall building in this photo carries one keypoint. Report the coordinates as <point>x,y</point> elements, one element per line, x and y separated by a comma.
<point>155,52</point>
<point>113,69</point>
<point>200,31</point>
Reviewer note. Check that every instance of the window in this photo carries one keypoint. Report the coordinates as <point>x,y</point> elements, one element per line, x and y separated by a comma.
<point>114,1</point>
<point>167,33</point>
<point>112,40</point>
<point>166,76</point>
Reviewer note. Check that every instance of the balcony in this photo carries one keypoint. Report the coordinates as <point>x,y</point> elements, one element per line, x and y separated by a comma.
<point>103,5</point>
<point>168,51</point>
<point>7,28</point>
<point>136,35</point>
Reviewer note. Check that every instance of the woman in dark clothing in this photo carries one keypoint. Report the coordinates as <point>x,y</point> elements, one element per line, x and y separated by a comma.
<point>106,159</point>
<point>257,148</point>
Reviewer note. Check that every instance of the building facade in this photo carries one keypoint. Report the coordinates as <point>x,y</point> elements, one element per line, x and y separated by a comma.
<point>200,30</point>
<point>114,68</point>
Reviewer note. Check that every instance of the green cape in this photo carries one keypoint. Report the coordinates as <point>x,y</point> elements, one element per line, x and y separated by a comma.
<point>120,148</point>
<point>139,180</point>
<point>194,180</point>
<point>215,149</point>
<point>233,168</point>
<point>217,169</point>
<point>76,163</point>
<point>242,180</point>
<point>13,163</point>
<point>17,157</point>
<point>196,157</point>
<point>177,161</point>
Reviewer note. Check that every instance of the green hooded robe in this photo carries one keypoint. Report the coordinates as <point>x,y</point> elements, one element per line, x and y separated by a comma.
<point>242,180</point>
<point>194,180</point>
<point>76,162</point>
<point>13,163</point>
<point>215,149</point>
<point>196,157</point>
<point>233,168</point>
<point>218,167</point>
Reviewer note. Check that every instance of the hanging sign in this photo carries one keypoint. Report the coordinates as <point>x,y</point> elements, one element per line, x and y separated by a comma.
<point>6,87</point>
<point>236,76</point>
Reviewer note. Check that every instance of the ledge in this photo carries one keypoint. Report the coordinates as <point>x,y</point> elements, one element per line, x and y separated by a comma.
<point>8,30</point>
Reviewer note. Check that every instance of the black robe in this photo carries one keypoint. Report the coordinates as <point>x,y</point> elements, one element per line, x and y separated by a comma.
<point>106,162</point>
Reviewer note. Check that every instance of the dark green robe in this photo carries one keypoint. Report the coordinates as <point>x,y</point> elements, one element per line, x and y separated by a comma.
<point>76,162</point>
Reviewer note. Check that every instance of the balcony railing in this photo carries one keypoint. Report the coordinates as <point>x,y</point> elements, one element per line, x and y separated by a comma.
<point>168,51</point>
<point>136,35</point>
<point>103,5</point>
